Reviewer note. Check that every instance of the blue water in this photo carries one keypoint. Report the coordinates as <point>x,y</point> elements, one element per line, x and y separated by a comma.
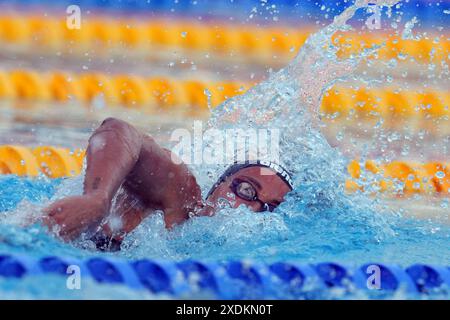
<point>307,231</point>
<point>326,231</point>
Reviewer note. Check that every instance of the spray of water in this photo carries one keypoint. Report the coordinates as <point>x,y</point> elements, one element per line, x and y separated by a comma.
<point>318,220</point>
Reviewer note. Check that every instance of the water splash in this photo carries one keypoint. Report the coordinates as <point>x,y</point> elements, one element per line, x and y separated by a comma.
<point>407,33</point>
<point>289,100</point>
<point>318,220</point>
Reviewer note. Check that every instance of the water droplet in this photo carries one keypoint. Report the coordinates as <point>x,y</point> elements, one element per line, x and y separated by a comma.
<point>440,175</point>
<point>340,136</point>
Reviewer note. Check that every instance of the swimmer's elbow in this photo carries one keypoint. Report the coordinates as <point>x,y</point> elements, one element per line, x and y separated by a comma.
<point>119,126</point>
<point>125,132</point>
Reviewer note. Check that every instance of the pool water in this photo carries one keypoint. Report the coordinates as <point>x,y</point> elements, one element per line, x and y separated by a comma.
<point>324,232</point>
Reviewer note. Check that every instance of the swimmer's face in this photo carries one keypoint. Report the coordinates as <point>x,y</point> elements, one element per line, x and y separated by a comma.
<point>258,188</point>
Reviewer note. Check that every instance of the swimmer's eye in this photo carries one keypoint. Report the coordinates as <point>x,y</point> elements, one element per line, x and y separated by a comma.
<point>245,191</point>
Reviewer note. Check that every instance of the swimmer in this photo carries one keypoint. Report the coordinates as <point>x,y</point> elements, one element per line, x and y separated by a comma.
<point>130,168</point>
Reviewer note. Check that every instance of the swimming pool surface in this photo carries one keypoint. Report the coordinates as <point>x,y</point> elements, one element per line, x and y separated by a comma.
<point>334,232</point>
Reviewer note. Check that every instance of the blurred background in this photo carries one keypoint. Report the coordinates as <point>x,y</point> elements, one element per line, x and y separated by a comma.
<point>160,64</point>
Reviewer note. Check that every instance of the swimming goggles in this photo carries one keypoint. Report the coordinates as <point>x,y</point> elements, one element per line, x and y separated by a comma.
<point>246,191</point>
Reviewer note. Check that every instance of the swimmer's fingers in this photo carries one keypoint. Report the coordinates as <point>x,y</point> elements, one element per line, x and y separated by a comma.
<point>61,220</point>
<point>53,215</point>
<point>54,209</point>
<point>47,221</point>
<point>61,229</point>
<point>75,215</point>
<point>54,225</point>
<point>48,216</point>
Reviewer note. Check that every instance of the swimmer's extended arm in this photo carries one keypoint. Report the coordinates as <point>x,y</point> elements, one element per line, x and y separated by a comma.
<point>118,154</point>
<point>113,151</point>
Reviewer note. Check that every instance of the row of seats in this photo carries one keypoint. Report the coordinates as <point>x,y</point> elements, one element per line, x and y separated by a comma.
<point>428,178</point>
<point>265,44</point>
<point>195,96</point>
<point>238,279</point>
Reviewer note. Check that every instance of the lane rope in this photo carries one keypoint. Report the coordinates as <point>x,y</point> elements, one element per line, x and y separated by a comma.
<point>397,177</point>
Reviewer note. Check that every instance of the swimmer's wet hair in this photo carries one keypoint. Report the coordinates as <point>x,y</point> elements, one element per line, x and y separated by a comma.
<point>279,170</point>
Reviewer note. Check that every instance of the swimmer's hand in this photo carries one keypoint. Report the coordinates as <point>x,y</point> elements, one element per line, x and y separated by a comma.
<point>72,216</point>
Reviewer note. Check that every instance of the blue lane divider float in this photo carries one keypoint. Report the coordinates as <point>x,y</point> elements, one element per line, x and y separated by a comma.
<point>239,279</point>
<point>428,12</point>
